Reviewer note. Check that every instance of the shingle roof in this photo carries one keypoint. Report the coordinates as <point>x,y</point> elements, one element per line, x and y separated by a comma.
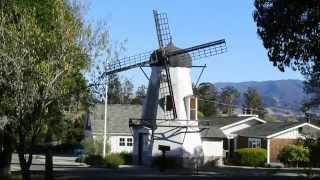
<point>118,117</point>
<point>212,132</point>
<point>264,130</point>
<point>224,121</point>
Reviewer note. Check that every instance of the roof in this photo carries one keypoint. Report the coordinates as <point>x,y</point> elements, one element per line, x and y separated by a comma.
<point>118,117</point>
<point>182,60</point>
<point>271,128</point>
<point>212,132</point>
<point>228,120</point>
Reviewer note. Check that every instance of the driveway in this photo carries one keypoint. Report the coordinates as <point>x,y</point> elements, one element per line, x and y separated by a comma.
<point>67,168</point>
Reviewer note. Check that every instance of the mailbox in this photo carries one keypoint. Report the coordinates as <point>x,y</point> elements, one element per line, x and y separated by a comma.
<point>164,148</point>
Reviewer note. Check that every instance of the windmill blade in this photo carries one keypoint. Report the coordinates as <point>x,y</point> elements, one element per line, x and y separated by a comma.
<point>203,50</point>
<point>128,63</point>
<point>170,105</point>
<point>162,28</point>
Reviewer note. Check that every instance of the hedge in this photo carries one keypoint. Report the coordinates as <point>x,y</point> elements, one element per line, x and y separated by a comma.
<point>251,156</point>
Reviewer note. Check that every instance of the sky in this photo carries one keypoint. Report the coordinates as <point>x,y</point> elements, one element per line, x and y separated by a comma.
<point>192,23</point>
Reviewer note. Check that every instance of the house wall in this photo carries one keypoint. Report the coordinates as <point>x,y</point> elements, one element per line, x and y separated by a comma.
<point>294,134</point>
<point>241,126</point>
<point>242,142</point>
<point>115,144</point>
<point>212,147</point>
<point>276,145</point>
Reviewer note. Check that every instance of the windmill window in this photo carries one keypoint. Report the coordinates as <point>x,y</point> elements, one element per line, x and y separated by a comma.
<point>254,143</point>
<point>166,103</point>
<point>122,142</point>
<point>129,141</point>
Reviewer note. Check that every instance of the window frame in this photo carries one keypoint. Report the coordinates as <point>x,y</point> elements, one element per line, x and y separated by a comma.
<point>254,142</point>
<point>122,141</point>
<point>129,143</point>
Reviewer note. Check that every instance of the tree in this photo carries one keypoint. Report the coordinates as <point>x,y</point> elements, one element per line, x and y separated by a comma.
<point>290,31</point>
<point>127,92</point>
<point>294,155</point>
<point>139,95</point>
<point>114,89</point>
<point>207,97</point>
<point>253,103</point>
<point>228,97</point>
<point>44,44</point>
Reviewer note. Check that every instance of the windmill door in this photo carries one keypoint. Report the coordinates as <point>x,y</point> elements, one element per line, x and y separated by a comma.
<point>140,148</point>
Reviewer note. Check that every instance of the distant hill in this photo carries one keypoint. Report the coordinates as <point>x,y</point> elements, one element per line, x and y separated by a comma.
<point>277,95</point>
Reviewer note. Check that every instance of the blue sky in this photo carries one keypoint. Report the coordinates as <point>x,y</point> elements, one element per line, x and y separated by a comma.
<point>191,23</point>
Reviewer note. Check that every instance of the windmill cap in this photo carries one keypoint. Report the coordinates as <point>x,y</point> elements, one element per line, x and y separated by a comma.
<point>183,60</point>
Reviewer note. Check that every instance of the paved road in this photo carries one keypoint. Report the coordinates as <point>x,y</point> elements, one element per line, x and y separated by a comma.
<point>67,168</point>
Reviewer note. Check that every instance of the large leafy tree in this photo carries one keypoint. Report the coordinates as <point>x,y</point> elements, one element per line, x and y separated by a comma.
<point>290,31</point>
<point>228,98</point>
<point>45,45</point>
<point>253,103</point>
<point>207,98</point>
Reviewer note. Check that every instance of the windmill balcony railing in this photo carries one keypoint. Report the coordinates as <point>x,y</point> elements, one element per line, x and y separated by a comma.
<point>152,123</point>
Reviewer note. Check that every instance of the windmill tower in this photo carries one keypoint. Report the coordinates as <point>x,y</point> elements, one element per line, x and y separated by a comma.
<point>169,117</point>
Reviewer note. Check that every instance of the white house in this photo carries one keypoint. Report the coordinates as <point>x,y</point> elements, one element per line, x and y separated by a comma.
<point>118,132</point>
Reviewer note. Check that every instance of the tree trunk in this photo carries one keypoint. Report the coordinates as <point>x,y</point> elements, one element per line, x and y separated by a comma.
<point>49,158</point>
<point>49,163</point>
<point>25,168</point>
<point>5,162</point>
<point>6,149</point>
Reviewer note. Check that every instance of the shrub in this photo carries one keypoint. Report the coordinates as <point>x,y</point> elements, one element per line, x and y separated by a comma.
<point>94,146</point>
<point>127,157</point>
<point>170,162</point>
<point>294,155</point>
<point>251,156</point>
<point>94,160</point>
<point>113,161</point>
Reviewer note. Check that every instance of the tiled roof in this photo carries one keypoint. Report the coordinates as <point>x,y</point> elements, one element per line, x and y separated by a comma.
<point>224,121</point>
<point>212,132</point>
<point>264,130</point>
<point>118,117</point>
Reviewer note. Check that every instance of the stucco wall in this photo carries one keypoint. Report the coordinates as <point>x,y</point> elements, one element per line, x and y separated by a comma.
<point>115,144</point>
<point>212,148</point>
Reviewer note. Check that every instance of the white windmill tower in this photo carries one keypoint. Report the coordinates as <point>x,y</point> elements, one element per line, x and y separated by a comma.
<point>169,117</point>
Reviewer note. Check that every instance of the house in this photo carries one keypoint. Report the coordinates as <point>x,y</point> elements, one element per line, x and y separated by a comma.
<point>118,132</point>
<point>220,136</point>
<point>275,136</point>
<point>224,130</point>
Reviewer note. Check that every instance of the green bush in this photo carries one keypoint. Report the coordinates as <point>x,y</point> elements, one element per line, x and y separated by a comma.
<point>114,161</point>
<point>92,146</point>
<point>111,160</point>
<point>170,162</point>
<point>251,156</point>
<point>294,155</point>
<point>94,160</point>
<point>127,157</point>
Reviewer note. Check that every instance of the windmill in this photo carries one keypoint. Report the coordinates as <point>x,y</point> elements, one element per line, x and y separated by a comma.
<point>169,94</point>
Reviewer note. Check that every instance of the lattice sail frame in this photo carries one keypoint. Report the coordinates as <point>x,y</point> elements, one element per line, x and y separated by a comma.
<point>164,38</point>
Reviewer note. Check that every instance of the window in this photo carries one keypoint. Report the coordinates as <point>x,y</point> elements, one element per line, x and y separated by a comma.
<point>254,143</point>
<point>122,142</point>
<point>129,141</point>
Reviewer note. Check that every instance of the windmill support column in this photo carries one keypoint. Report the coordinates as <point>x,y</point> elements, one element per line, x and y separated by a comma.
<point>105,120</point>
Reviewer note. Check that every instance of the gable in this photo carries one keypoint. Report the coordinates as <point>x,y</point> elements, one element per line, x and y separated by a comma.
<point>296,132</point>
<point>237,126</point>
